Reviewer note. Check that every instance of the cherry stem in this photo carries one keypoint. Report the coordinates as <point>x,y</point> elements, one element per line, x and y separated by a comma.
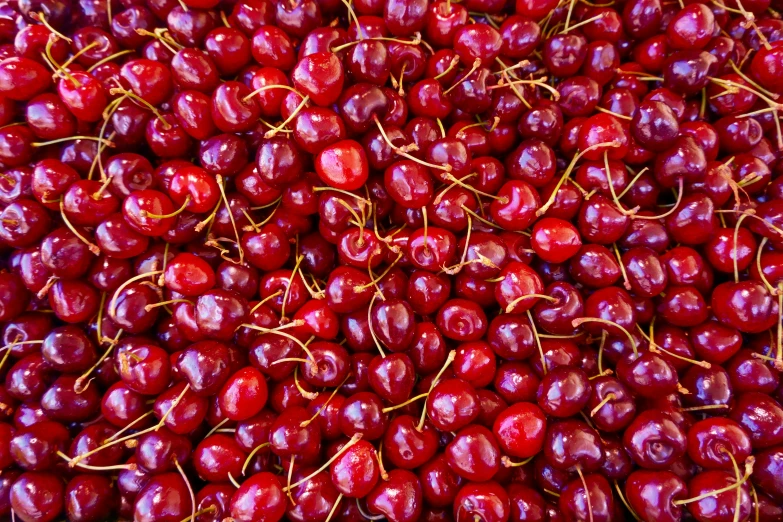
<point>579,321</point>
<point>609,397</point>
<point>268,87</point>
<point>403,152</point>
<point>41,18</point>
<point>625,502</point>
<point>277,331</point>
<point>187,484</point>
<point>252,454</point>
<point>615,114</point>
<point>582,23</point>
<point>19,343</point>
<point>495,123</point>
<point>98,193</point>
<point>481,219</point>
<point>288,479</point>
<point>72,463</point>
<point>273,132</point>
<point>145,214</point>
<point>518,300</point>
<point>367,515</point>
<point>73,138</point>
<point>544,368</point>
<point>310,396</point>
<point>356,438</point>
<point>706,407</point>
<point>449,359</point>
<point>748,471</point>
<point>455,269</point>
<point>264,300</point>
<point>473,68</point>
<point>369,323</point>
<point>109,58</point>
<point>341,191</point>
<point>734,250</point>
<point>168,43</point>
<point>352,14</point>
<point>381,469</point>
<point>450,177</point>
<point>211,509</point>
<point>113,302</point>
<point>141,102</point>
<point>378,279</point>
<point>77,387</point>
<point>620,263</point>
<point>454,62</point>
<point>113,442</point>
<point>91,246</point>
<point>539,82</point>
<point>77,54</point>
<point>307,422</point>
<point>216,427</point>
<point>130,425</point>
<point>541,211</point>
<point>587,492</point>
<point>290,359</point>
<point>403,404</point>
<point>416,41</point>
<point>334,508</point>
<point>508,463</point>
<point>671,211</point>
<point>287,292</point>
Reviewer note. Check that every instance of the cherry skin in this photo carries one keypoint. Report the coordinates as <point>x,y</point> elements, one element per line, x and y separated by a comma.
<point>343,165</point>
<point>520,430</point>
<point>259,497</point>
<point>651,494</point>
<point>486,501</point>
<point>398,497</point>
<point>355,472</point>
<point>452,404</point>
<point>37,496</point>
<point>406,446</point>
<point>710,439</point>
<point>654,440</point>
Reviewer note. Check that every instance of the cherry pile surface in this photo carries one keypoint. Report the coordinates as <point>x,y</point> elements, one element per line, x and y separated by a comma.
<point>413,260</point>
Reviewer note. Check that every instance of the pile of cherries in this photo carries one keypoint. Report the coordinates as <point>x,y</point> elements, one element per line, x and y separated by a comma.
<point>413,260</point>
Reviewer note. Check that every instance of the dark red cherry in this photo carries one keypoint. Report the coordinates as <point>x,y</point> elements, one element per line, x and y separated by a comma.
<point>37,496</point>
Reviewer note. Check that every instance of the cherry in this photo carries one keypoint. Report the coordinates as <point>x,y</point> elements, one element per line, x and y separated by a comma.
<point>572,443</point>
<point>654,440</point>
<point>746,306</point>
<point>721,505</point>
<point>710,441</point>
<point>757,414</point>
<point>355,471</point>
<point>398,497</point>
<point>520,430</point>
<point>440,484</point>
<point>588,497</point>
<point>651,494</point>
<point>37,496</point>
<point>474,454</point>
<point>22,78</point>
<point>563,392</point>
<point>555,240</point>
<point>452,404</point>
<point>35,447</point>
<point>486,501</point>
<point>766,472</point>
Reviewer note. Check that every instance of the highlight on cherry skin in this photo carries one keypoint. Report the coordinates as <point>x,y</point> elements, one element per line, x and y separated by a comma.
<point>404,260</point>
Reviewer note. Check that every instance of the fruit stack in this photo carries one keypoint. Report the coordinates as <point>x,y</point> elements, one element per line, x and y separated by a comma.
<point>413,260</point>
